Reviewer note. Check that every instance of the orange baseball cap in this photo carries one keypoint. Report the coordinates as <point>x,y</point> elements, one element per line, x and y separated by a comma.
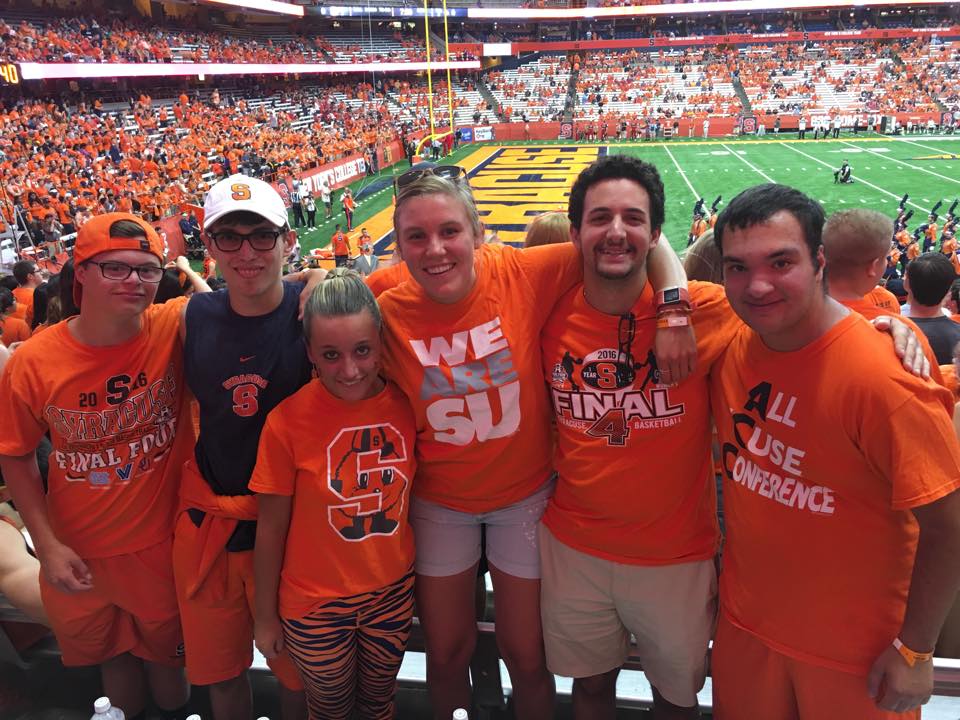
<point>94,238</point>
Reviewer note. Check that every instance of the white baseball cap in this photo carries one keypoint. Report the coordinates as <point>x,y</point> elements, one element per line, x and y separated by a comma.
<point>241,193</point>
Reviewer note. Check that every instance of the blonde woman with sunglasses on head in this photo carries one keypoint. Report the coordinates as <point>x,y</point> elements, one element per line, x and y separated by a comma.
<point>461,340</point>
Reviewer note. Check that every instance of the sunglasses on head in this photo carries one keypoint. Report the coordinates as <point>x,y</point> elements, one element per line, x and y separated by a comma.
<point>449,172</point>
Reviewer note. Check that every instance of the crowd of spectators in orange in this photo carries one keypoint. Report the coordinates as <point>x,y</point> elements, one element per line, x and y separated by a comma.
<point>638,77</point>
<point>934,67</point>
<point>890,87</point>
<point>85,161</point>
<point>116,40</point>
<point>544,88</point>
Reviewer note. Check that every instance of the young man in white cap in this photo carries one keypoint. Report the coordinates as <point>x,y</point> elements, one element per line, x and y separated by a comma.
<point>243,354</point>
<point>115,409</point>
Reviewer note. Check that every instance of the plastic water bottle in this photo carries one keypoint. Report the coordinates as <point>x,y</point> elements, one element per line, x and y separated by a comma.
<point>103,710</point>
<point>460,714</point>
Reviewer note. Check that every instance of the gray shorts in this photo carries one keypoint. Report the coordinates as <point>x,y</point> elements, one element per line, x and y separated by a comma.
<point>448,541</point>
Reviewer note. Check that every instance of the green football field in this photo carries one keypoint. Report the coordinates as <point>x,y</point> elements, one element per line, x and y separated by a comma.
<point>926,167</point>
<point>883,170</point>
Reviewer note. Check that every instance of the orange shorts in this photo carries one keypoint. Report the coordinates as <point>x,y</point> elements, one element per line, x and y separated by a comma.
<point>752,681</point>
<point>218,622</point>
<point>131,608</point>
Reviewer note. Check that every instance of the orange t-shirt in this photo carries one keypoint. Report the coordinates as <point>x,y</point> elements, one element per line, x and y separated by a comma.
<point>633,457</point>
<point>387,277</point>
<point>473,376</point>
<point>821,465</point>
<point>869,308</point>
<point>113,414</point>
<point>350,485</point>
<point>883,299</point>
<point>13,329</point>
<point>340,245</point>
<point>209,268</point>
<point>24,309</point>
<point>949,373</point>
<point>698,228</point>
<point>893,258</point>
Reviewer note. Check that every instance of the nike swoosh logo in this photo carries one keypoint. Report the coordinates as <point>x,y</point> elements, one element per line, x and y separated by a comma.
<point>249,357</point>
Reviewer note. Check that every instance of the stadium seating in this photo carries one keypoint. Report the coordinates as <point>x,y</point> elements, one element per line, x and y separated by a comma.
<point>672,85</point>
<point>174,149</point>
<point>830,78</point>
<point>536,89</point>
<point>29,36</point>
<point>934,67</point>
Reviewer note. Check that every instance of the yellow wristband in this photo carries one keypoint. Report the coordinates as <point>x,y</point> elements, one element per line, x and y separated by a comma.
<point>911,657</point>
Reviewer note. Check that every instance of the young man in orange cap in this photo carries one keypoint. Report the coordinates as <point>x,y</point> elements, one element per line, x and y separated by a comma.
<point>115,409</point>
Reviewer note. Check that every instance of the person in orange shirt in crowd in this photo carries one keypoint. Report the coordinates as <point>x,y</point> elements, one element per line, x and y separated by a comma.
<point>698,227</point>
<point>457,340</point>
<point>28,276</point>
<point>912,252</point>
<point>349,205</point>
<point>637,556</point>
<point>12,329</point>
<point>948,243</point>
<point>103,527</point>
<point>838,567</point>
<point>341,247</point>
<point>930,233</point>
<point>892,261</point>
<point>854,243</point>
<point>955,255</point>
<point>209,266</point>
<point>356,566</point>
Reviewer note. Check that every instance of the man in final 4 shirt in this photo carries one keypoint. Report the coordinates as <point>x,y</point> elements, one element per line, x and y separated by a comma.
<point>243,354</point>
<point>843,523</point>
<point>629,538</point>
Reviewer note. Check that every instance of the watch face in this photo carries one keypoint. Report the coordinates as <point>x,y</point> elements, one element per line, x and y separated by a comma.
<point>671,295</point>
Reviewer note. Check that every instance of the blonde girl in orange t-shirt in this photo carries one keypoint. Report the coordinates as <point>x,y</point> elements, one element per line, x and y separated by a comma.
<point>333,561</point>
<point>461,340</point>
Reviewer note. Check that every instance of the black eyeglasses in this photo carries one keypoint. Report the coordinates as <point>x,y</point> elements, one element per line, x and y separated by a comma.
<point>230,241</point>
<point>121,271</point>
<point>449,172</point>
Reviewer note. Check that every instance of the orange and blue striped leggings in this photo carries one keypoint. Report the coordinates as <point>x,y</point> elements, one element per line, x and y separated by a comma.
<point>349,651</point>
